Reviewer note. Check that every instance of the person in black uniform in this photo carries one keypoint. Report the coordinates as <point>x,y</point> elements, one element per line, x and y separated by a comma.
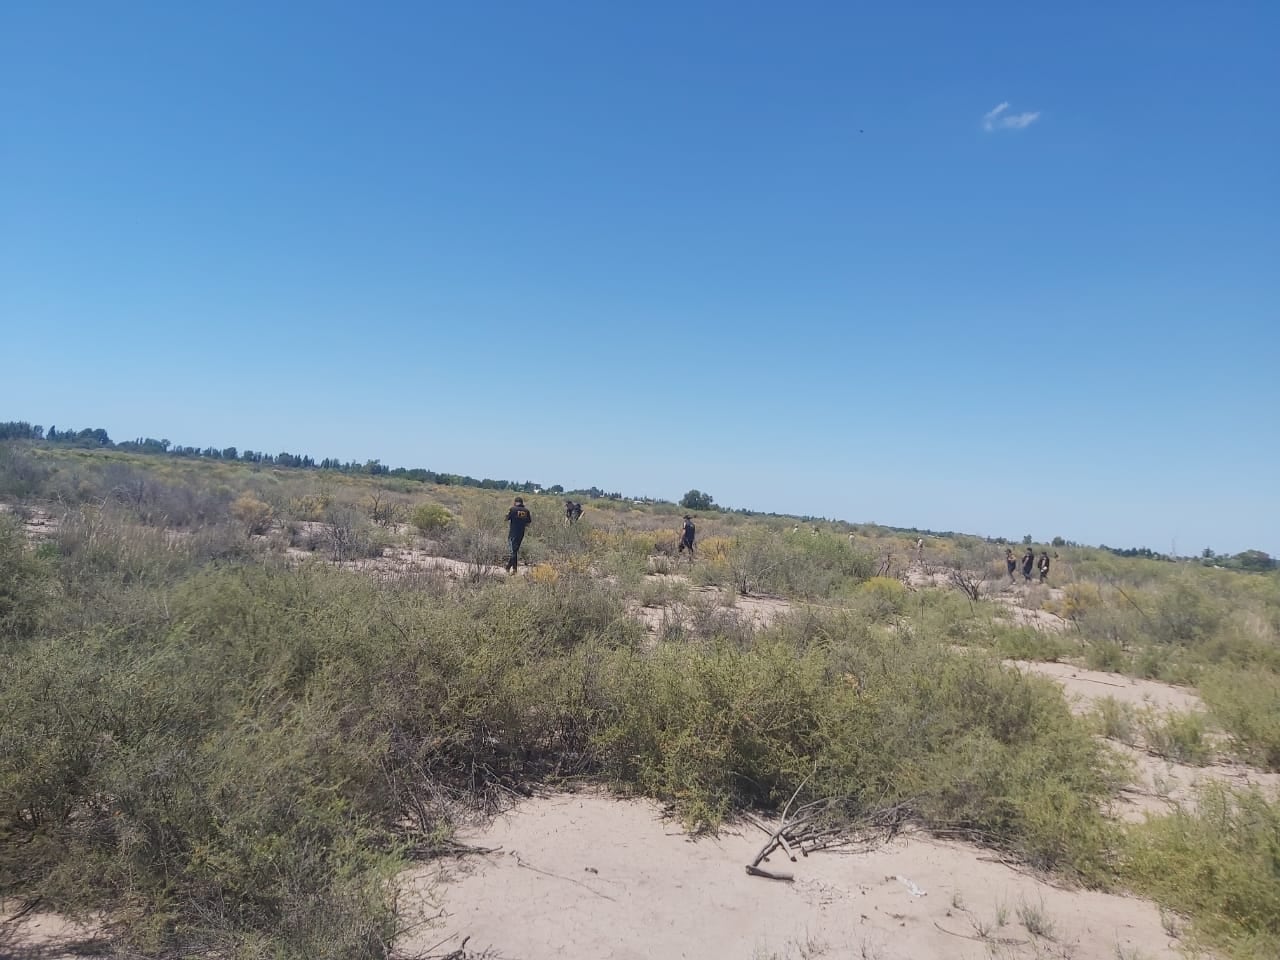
<point>1011,562</point>
<point>1043,565</point>
<point>687,535</point>
<point>518,518</point>
<point>1028,561</point>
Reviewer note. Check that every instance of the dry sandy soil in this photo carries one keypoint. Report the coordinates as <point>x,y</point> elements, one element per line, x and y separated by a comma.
<point>1162,785</point>
<point>46,936</point>
<point>583,875</point>
<point>1084,687</point>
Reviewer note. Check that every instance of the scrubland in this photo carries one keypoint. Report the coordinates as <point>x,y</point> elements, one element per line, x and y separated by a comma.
<point>237,702</point>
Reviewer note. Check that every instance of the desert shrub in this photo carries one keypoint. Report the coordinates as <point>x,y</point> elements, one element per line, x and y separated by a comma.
<point>349,535</point>
<point>430,518</point>
<point>99,551</point>
<point>479,547</point>
<point>1116,720</point>
<point>1027,643</point>
<point>1179,735</point>
<point>1108,656</point>
<point>972,748</point>
<point>1185,615</point>
<point>24,584</point>
<point>762,561</point>
<point>20,474</point>
<point>1215,863</point>
<point>883,598</point>
<point>1077,600</point>
<point>386,510</point>
<point>1247,704</point>
<point>253,515</point>
<point>309,507</point>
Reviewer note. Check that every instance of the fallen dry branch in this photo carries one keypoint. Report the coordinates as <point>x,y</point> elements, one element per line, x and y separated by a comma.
<point>755,871</point>
<point>1002,941</point>
<point>806,833</point>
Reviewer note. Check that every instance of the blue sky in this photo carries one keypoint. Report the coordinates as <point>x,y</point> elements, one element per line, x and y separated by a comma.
<point>797,255</point>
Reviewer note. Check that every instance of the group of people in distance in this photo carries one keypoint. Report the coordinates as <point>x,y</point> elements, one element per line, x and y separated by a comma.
<point>519,518</point>
<point>1029,563</point>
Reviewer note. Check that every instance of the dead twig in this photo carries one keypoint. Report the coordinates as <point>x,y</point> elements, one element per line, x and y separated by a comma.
<point>1003,941</point>
<point>26,909</point>
<point>547,873</point>
<point>755,871</point>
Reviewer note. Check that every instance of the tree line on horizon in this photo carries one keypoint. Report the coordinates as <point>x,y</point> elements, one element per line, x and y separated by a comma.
<point>97,437</point>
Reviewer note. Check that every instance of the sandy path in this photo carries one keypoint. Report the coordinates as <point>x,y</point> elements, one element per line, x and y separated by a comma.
<point>587,876</point>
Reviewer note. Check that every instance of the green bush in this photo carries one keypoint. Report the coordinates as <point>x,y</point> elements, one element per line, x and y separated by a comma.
<point>430,518</point>
<point>1026,643</point>
<point>1176,735</point>
<point>1116,720</point>
<point>883,598</point>
<point>1108,656</point>
<point>20,474</point>
<point>24,584</point>
<point>1217,865</point>
<point>971,747</point>
<point>1247,704</point>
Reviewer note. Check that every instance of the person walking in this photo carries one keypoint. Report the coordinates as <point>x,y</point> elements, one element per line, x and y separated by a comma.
<point>1044,566</point>
<point>1028,561</point>
<point>687,534</point>
<point>1011,562</point>
<point>518,518</point>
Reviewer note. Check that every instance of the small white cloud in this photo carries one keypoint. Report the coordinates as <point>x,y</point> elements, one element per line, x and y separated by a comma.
<point>997,119</point>
<point>1019,120</point>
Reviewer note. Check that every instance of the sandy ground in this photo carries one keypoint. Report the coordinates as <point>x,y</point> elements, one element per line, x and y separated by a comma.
<point>37,524</point>
<point>1083,687</point>
<point>753,610</point>
<point>46,936</point>
<point>583,875</point>
<point>1162,785</point>
<point>398,563</point>
<point>1032,616</point>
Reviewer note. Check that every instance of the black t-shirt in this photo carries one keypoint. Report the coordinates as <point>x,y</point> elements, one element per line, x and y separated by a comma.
<point>688,531</point>
<point>517,519</point>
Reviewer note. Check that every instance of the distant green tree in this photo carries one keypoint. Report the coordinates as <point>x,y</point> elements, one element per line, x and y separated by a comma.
<point>1027,539</point>
<point>697,500</point>
<point>1059,542</point>
<point>1253,560</point>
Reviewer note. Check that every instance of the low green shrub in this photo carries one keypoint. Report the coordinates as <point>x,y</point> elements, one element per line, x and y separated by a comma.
<point>1247,704</point>
<point>1215,863</point>
<point>1179,735</point>
<point>1026,643</point>
<point>1108,656</point>
<point>883,598</point>
<point>1116,720</point>
<point>430,518</point>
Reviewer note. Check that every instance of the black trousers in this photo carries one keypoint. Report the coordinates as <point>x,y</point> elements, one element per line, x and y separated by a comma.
<point>513,541</point>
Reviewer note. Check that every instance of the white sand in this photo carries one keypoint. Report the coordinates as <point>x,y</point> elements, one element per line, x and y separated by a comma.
<point>584,875</point>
